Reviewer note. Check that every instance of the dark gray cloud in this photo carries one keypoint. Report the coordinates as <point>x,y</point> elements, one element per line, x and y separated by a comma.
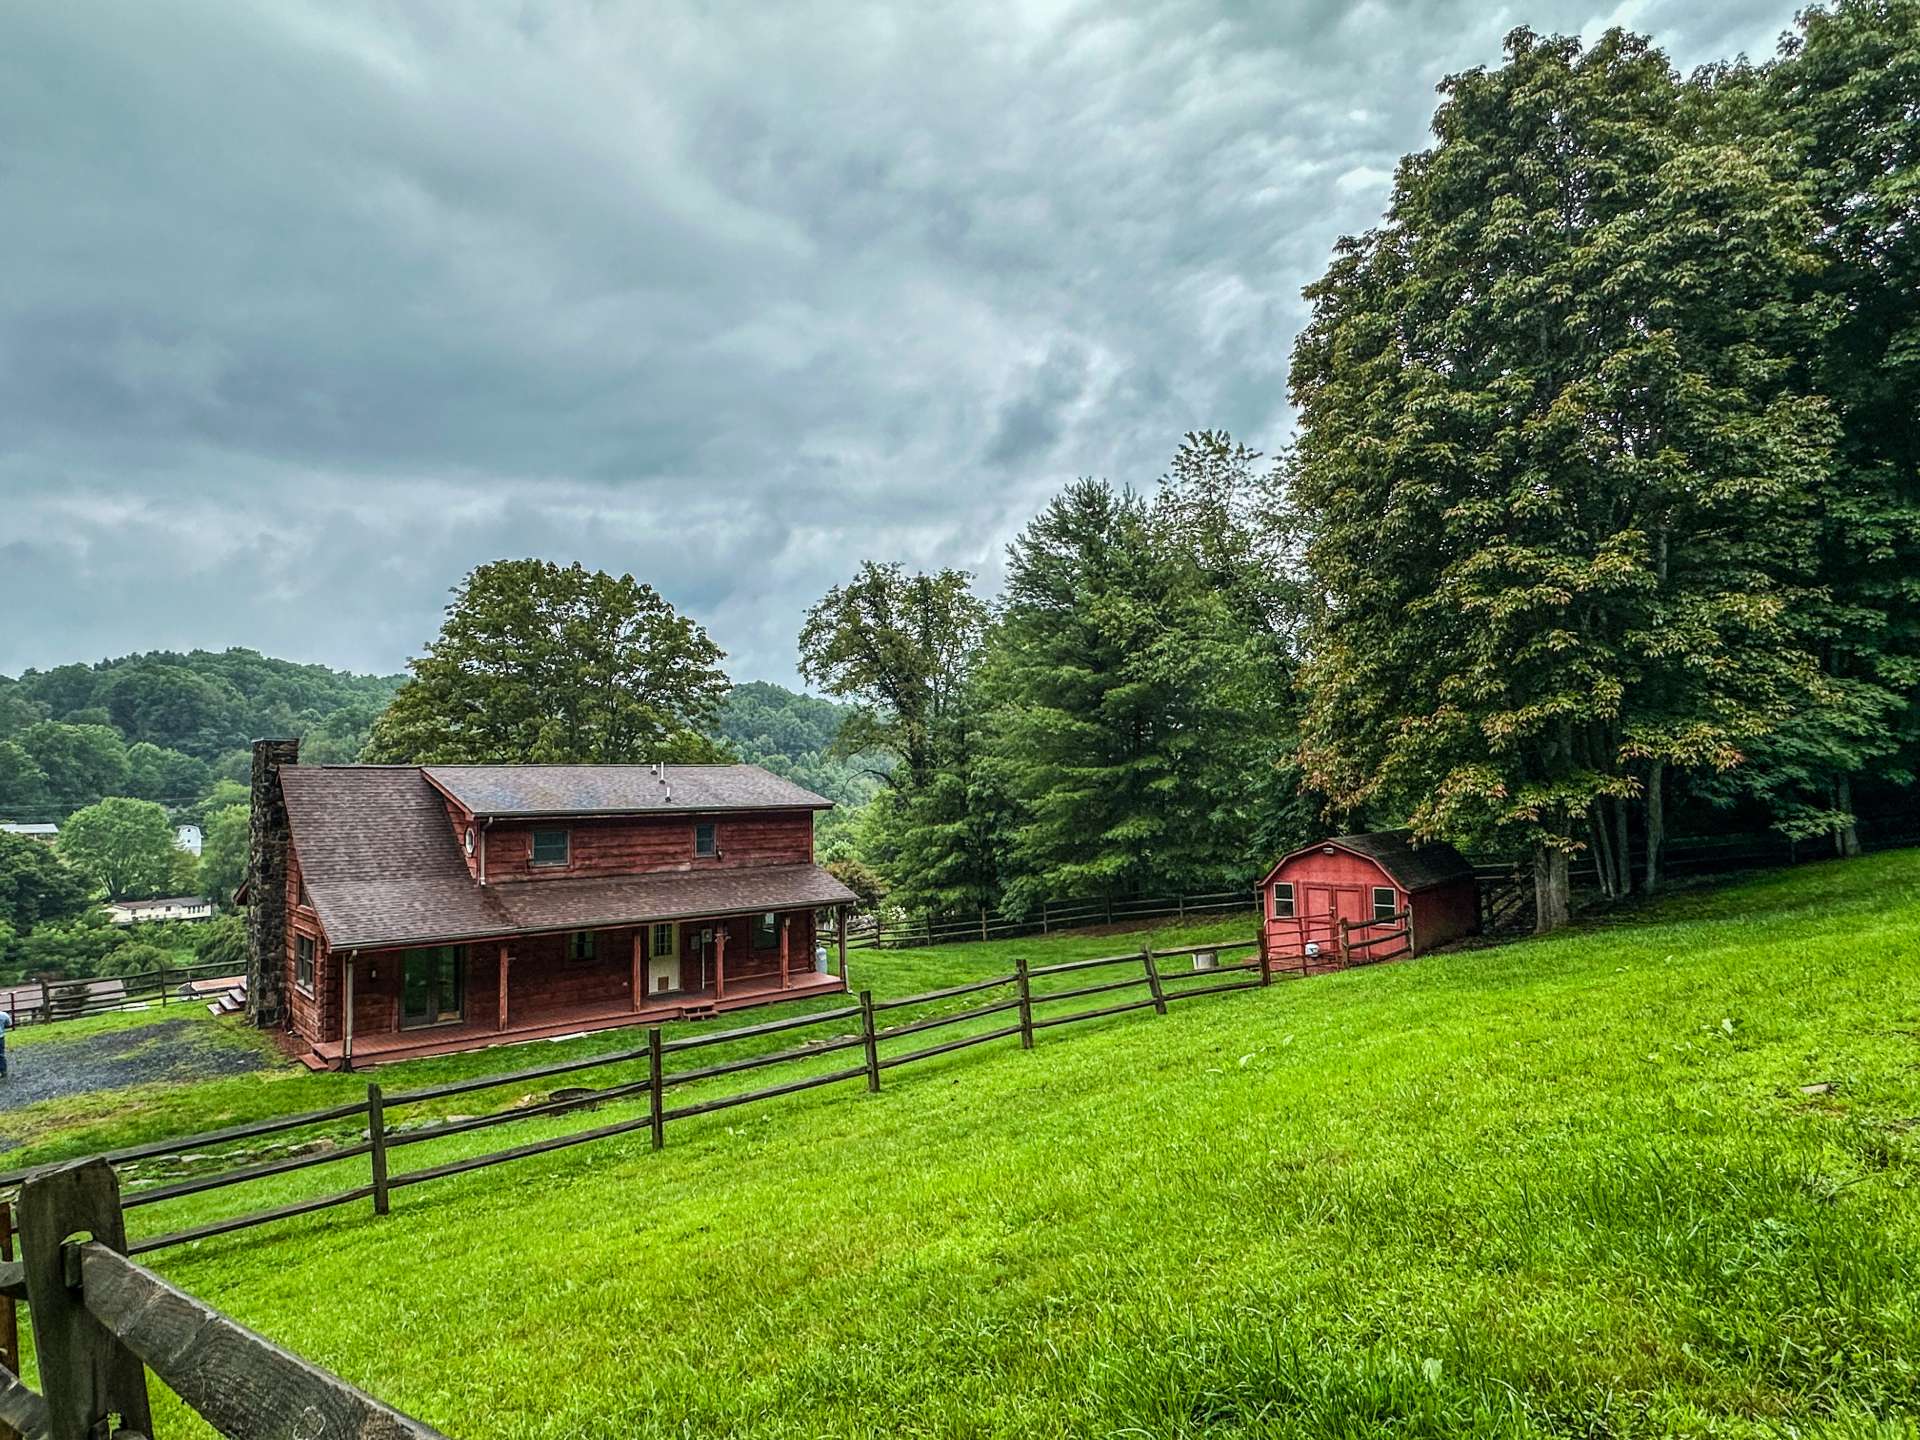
<point>307,308</point>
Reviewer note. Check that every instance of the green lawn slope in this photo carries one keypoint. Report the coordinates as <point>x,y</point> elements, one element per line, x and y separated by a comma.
<point>1651,1178</point>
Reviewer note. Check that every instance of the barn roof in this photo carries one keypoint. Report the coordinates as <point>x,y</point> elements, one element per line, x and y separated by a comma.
<point>1410,866</point>
<point>535,790</point>
<point>380,863</point>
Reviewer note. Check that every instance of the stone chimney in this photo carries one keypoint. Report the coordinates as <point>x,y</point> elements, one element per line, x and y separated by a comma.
<point>268,838</point>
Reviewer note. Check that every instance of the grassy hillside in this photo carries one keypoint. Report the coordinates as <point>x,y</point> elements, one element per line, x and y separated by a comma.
<point>109,1118</point>
<point>1575,1186</point>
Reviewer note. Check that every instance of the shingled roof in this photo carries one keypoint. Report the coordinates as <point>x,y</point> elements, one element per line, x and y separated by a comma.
<point>534,790</point>
<point>1412,867</point>
<point>381,866</point>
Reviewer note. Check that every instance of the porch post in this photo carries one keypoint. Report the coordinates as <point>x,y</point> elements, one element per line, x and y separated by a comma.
<point>840,925</point>
<point>639,966</point>
<point>346,1013</point>
<point>505,959</point>
<point>786,982</point>
<point>720,961</point>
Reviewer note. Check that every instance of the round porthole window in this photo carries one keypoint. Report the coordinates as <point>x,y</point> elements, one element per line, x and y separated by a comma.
<point>469,839</point>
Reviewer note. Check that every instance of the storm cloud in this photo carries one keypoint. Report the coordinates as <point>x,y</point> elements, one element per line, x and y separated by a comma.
<point>306,309</point>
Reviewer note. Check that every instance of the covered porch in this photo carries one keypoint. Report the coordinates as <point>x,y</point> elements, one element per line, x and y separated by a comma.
<point>563,1023</point>
<point>435,1000</point>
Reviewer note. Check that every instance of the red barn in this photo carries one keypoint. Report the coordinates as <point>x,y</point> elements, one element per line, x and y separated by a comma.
<point>1356,898</point>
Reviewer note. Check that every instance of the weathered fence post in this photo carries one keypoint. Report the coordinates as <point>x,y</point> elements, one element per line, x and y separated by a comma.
<point>983,922</point>
<point>870,1041</point>
<point>1181,901</point>
<point>1043,917</point>
<point>1409,929</point>
<point>85,1373</point>
<point>377,1139</point>
<point>1026,1002</point>
<point>657,1087</point>
<point>9,1319</point>
<point>1346,943</point>
<point>1153,981</point>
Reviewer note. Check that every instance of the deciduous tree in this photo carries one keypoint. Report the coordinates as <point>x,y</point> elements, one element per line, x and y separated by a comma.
<point>123,846</point>
<point>559,664</point>
<point>223,853</point>
<point>899,647</point>
<point>1556,462</point>
<point>82,763</point>
<point>36,886</point>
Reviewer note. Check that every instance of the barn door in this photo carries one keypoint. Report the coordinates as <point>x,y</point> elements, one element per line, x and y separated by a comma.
<point>1318,912</point>
<point>1326,907</point>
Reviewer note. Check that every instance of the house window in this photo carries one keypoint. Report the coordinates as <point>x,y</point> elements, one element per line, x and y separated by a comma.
<point>550,847</point>
<point>580,945</point>
<point>766,932</point>
<point>661,941</point>
<point>1386,903</point>
<point>303,948</point>
<point>1283,900</point>
<point>706,840</point>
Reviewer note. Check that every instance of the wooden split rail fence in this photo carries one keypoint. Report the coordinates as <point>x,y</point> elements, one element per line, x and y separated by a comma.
<point>894,931</point>
<point>101,1319</point>
<point>40,1001</point>
<point>1025,994</point>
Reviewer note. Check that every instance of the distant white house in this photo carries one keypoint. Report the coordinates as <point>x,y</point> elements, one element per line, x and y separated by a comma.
<point>187,838</point>
<point>47,833</point>
<point>177,907</point>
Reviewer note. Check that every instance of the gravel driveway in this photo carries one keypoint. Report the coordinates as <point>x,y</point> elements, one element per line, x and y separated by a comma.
<point>55,1069</point>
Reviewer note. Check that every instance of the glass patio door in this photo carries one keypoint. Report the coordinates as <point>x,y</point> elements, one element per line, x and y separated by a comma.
<point>432,986</point>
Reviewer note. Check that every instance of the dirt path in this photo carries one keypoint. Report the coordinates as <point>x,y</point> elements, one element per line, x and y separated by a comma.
<point>114,1059</point>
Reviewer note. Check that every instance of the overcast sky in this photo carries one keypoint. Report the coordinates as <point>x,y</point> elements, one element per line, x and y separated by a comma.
<point>306,309</point>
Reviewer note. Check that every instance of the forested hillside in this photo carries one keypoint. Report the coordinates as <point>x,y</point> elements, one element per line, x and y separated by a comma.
<point>794,735</point>
<point>163,725</point>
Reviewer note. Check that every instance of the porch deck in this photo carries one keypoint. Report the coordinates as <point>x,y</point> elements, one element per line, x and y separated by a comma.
<point>556,1023</point>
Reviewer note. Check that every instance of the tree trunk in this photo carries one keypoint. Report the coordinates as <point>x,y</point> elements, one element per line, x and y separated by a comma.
<point>1551,909</point>
<point>1603,865</point>
<point>1847,838</point>
<point>1656,821</point>
<point>1623,851</point>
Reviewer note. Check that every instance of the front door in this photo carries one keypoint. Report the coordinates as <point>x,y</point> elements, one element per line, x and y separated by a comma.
<point>663,959</point>
<point>433,986</point>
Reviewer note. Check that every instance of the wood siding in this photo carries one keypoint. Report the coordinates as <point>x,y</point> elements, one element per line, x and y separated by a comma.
<point>307,1014</point>
<point>461,821</point>
<point>542,977</point>
<point>650,846</point>
<point>1444,914</point>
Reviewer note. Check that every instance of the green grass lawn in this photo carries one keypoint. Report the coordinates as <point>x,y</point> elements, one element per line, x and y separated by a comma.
<point>111,1119</point>
<point>1575,1186</point>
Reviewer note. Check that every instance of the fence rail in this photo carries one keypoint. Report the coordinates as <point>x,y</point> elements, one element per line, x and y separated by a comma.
<point>1679,856</point>
<point>101,1320</point>
<point>894,932</point>
<point>38,1002</point>
<point>1033,995</point>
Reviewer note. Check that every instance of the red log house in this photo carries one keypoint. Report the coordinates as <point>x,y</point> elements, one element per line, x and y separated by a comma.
<point>1347,900</point>
<point>400,910</point>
